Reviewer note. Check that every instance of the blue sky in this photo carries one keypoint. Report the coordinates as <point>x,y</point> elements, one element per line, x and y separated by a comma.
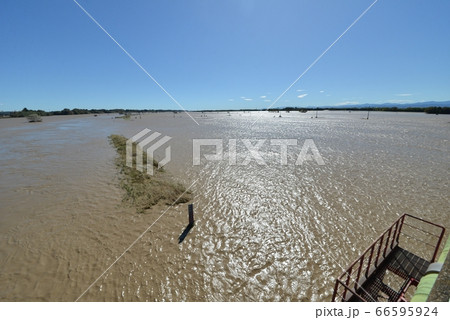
<point>221,54</point>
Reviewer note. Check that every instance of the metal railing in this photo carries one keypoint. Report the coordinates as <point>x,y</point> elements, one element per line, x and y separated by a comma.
<point>361,269</point>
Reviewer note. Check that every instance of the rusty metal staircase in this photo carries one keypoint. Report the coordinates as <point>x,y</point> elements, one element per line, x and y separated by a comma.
<point>388,268</point>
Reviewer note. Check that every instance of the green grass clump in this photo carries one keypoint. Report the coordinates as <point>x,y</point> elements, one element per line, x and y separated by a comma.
<point>142,190</point>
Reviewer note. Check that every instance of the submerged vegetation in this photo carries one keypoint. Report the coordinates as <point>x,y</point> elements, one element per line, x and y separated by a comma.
<point>142,190</point>
<point>34,118</point>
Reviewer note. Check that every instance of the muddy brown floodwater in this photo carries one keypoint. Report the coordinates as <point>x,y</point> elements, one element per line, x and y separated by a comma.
<point>264,232</point>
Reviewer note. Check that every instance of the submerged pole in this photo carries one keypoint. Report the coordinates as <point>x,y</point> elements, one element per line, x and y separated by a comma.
<point>191,214</point>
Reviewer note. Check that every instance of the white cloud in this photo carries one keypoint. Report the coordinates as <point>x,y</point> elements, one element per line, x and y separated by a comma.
<point>346,103</point>
<point>231,100</point>
<point>263,97</point>
<point>404,94</point>
<point>300,90</point>
<point>267,100</point>
<point>302,95</point>
<point>248,99</point>
<point>322,91</point>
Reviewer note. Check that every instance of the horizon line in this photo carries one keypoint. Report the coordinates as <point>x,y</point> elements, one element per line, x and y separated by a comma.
<point>358,106</point>
<point>422,104</point>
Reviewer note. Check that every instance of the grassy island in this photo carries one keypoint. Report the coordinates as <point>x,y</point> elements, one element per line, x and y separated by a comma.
<point>142,190</point>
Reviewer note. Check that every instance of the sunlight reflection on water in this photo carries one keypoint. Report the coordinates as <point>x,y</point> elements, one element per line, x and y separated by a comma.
<point>263,232</point>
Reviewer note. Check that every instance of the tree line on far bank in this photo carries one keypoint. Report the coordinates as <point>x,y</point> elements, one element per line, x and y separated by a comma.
<point>27,112</point>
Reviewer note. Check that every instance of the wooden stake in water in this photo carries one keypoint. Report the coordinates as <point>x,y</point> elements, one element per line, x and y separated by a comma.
<point>191,214</point>
<point>190,225</point>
